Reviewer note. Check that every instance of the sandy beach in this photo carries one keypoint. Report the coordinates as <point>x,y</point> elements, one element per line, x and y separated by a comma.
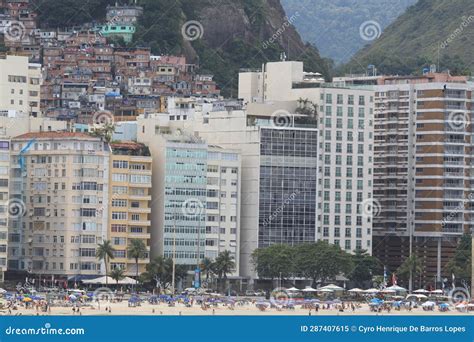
<point>122,309</point>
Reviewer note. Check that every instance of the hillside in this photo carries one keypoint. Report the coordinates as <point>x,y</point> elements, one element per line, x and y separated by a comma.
<point>333,25</point>
<point>429,31</point>
<point>232,34</point>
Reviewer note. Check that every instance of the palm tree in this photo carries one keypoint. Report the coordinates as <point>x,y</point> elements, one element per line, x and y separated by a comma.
<point>410,268</point>
<point>224,264</point>
<point>105,252</point>
<point>206,267</point>
<point>117,274</point>
<point>105,132</point>
<point>136,250</point>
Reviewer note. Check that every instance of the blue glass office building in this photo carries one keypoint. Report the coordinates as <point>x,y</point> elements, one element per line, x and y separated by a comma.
<point>185,202</point>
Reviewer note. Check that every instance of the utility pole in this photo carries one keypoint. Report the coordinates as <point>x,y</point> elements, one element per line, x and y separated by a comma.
<point>173,275</point>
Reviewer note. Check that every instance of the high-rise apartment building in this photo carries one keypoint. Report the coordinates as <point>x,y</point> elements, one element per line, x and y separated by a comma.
<point>20,85</point>
<point>198,186</point>
<point>279,177</point>
<point>130,198</point>
<point>59,180</point>
<point>345,117</point>
<point>422,174</point>
<point>223,203</point>
<point>5,207</point>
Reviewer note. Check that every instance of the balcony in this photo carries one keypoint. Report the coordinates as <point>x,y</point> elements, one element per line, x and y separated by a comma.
<point>139,223</point>
<point>140,210</point>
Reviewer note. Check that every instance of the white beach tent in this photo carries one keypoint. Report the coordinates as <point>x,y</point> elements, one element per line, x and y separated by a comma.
<point>372,291</point>
<point>332,287</point>
<point>293,289</point>
<point>110,280</point>
<point>309,289</point>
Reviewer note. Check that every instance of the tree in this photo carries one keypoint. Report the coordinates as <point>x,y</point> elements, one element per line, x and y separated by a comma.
<point>365,266</point>
<point>410,266</point>
<point>105,252</point>
<point>117,274</point>
<point>274,261</point>
<point>321,261</point>
<point>156,270</point>
<point>104,131</point>
<point>223,265</point>
<point>136,250</point>
<point>206,267</point>
<point>460,263</point>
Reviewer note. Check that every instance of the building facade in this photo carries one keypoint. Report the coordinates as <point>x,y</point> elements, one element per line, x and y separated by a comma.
<point>422,177</point>
<point>58,182</point>
<point>20,83</point>
<point>130,196</point>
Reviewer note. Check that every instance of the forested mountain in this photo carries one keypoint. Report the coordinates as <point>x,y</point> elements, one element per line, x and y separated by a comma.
<point>333,25</point>
<point>232,34</point>
<point>430,32</point>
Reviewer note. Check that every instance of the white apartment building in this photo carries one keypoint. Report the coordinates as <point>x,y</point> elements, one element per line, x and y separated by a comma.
<point>20,85</point>
<point>60,180</point>
<point>196,191</point>
<point>4,196</point>
<point>222,203</point>
<point>345,123</point>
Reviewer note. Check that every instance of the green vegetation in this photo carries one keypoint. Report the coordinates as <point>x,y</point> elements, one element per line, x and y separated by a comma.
<point>117,274</point>
<point>136,250</point>
<point>105,252</point>
<point>460,263</point>
<point>159,273</point>
<point>52,14</point>
<point>333,26</point>
<point>430,31</point>
<point>224,47</point>
<point>318,261</point>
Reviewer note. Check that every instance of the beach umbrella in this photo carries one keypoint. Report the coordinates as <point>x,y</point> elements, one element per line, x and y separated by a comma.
<point>356,290</point>
<point>420,291</point>
<point>396,288</point>
<point>293,289</point>
<point>325,290</point>
<point>332,287</point>
<point>372,291</point>
<point>376,301</point>
<point>437,291</point>
<point>388,291</point>
<point>309,289</point>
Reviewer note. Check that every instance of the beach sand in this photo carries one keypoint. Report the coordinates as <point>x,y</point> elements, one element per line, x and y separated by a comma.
<point>123,309</point>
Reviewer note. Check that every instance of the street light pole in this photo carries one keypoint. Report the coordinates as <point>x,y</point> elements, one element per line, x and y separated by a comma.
<point>174,254</point>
